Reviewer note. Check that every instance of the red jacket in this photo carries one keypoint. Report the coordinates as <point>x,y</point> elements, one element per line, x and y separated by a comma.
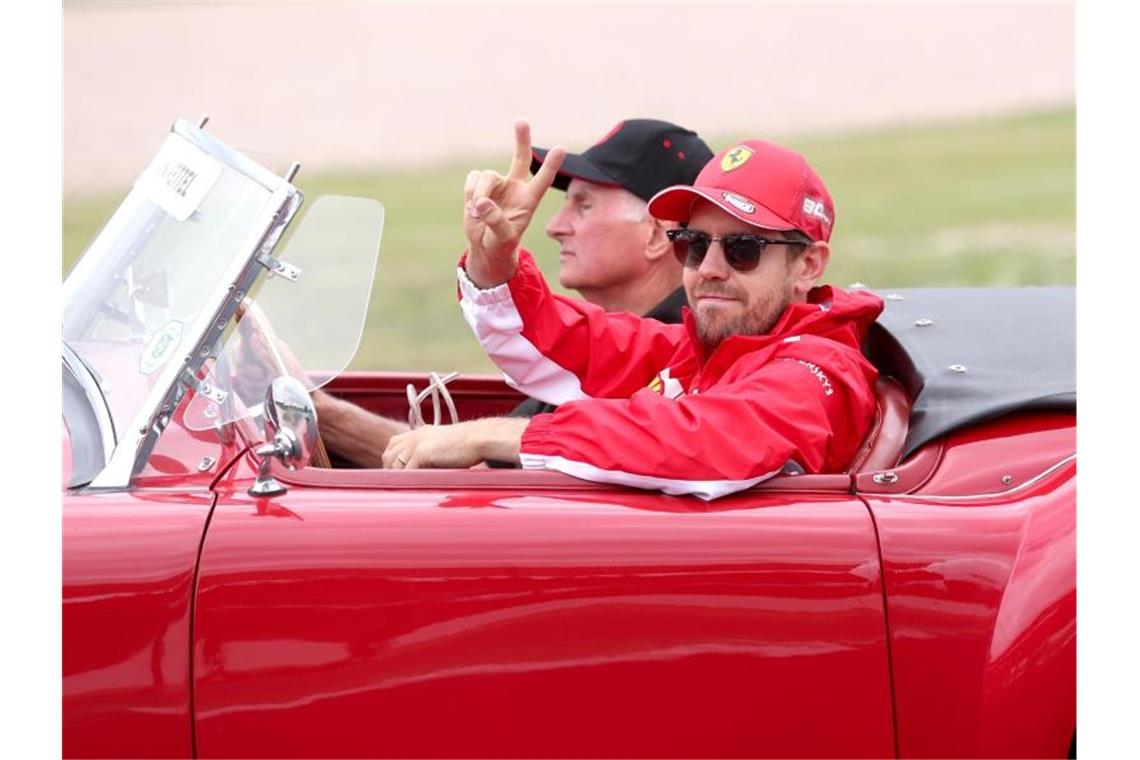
<point>641,405</point>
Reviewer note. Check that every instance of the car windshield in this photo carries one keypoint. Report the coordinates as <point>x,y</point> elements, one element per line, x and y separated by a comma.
<point>148,304</point>
<point>152,274</point>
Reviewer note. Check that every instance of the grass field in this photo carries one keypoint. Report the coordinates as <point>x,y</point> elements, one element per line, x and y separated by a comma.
<point>980,203</point>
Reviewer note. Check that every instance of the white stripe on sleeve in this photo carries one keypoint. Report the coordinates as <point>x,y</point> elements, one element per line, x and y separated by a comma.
<point>497,325</point>
<point>703,489</point>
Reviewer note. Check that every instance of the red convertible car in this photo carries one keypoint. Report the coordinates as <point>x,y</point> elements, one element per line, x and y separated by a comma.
<point>228,593</point>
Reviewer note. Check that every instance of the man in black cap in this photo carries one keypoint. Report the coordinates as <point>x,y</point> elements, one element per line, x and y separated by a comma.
<point>610,250</point>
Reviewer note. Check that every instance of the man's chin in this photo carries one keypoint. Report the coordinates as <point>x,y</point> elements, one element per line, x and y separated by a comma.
<point>719,316</point>
<point>712,330</point>
<point>568,274</point>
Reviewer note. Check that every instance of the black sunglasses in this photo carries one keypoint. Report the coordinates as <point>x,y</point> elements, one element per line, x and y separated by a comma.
<point>741,250</point>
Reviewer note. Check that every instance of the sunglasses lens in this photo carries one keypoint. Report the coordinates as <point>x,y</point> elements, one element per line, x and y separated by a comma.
<point>742,252</point>
<point>689,247</point>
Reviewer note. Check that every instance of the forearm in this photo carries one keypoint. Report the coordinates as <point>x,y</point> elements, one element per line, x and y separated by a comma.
<point>352,432</point>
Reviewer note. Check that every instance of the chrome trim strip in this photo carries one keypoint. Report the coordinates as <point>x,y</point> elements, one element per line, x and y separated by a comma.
<point>86,379</point>
<point>976,496</point>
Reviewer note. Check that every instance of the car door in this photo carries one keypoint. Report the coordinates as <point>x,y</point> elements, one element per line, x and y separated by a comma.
<point>128,569</point>
<point>505,613</point>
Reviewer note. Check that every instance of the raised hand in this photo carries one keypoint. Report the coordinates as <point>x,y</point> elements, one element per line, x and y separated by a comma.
<point>497,210</point>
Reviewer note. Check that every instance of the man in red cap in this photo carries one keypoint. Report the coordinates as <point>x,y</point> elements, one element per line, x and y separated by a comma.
<point>765,374</point>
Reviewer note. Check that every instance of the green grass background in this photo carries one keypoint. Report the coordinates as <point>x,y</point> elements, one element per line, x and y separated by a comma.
<point>988,202</point>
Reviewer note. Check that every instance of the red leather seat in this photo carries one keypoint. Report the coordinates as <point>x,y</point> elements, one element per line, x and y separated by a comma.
<point>883,445</point>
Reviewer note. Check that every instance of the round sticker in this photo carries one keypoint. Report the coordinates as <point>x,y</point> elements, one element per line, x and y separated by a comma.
<point>161,347</point>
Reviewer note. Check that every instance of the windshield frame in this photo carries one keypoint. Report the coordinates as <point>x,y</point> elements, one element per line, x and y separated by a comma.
<point>132,445</point>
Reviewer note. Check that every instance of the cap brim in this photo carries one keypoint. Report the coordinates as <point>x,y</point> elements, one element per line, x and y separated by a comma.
<point>575,166</point>
<point>675,204</point>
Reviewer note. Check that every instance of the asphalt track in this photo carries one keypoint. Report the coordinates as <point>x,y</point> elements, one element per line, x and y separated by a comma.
<point>351,84</point>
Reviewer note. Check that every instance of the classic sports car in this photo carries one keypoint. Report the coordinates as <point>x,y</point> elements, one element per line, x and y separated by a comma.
<point>227,593</point>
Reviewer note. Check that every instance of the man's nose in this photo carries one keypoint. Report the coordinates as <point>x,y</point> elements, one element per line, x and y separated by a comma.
<point>714,266</point>
<point>558,226</point>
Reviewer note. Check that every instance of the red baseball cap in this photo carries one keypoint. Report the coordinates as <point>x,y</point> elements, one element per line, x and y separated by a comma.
<point>759,183</point>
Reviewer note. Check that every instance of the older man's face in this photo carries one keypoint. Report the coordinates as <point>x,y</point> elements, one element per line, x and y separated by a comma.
<point>727,302</point>
<point>602,233</point>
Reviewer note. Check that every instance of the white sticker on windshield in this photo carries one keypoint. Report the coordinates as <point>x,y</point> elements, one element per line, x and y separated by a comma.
<point>179,177</point>
<point>161,347</point>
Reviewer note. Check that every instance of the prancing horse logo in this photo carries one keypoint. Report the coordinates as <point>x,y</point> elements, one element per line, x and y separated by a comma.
<point>735,158</point>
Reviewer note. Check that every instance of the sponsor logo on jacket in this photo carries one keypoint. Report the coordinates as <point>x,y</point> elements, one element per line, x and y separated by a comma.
<point>664,385</point>
<point>815,370</point>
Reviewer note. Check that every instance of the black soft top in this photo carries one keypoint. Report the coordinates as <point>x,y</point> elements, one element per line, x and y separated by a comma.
<point>966,355</point>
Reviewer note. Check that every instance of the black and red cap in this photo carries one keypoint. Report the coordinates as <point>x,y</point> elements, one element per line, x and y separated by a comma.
<point>760,183</point>
<point>642,155</point>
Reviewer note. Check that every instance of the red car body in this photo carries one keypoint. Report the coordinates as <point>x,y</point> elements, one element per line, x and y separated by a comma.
<point>919,604</point>
<point>919,610</point>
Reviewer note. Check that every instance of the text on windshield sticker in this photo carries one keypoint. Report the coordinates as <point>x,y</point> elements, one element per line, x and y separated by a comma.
<point>179,177</point>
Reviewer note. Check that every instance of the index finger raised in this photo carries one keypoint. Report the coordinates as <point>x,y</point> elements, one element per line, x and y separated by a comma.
<point>544,177</point>
<point>520,164</point>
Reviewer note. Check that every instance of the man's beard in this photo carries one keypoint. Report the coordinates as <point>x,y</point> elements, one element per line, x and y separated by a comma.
<point>756,321</point>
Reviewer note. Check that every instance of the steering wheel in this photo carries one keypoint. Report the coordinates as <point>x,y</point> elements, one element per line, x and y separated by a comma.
<point>283,361</point>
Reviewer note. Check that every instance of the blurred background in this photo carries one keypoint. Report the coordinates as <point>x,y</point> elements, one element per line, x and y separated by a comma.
<point>945,131</point>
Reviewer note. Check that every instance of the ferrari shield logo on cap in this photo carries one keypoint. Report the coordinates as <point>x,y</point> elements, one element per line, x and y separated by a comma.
<point>735,158</point>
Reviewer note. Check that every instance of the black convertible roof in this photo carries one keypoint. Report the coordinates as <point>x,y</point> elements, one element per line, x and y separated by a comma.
<point>966,355</point>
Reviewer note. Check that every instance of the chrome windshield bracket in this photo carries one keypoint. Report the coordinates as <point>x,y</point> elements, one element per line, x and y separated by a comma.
<point>203,388</point>
<point>279,267</point>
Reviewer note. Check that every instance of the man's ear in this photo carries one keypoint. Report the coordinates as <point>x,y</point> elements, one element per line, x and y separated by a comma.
<point>658,244</point>
<point>809,266</point>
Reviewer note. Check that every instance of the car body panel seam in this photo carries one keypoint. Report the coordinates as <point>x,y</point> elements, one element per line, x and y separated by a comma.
<point>886,623</point>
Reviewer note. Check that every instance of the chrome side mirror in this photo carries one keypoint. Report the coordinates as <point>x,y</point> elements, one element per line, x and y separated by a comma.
<point>290,432</point>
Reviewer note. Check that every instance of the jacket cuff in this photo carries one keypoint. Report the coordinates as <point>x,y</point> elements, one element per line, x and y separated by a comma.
<point>469,291</point>
<point>533,440</point>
